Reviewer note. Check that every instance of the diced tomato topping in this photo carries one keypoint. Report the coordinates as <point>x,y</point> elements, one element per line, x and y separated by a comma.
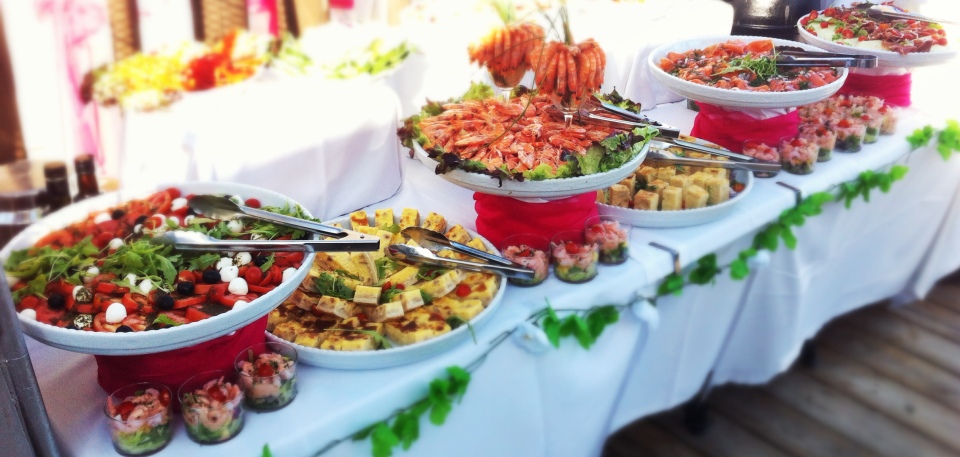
<point>463,290</point>
<point>194,315</point>
<point>184,302</point>
<point>259,289</point>
<point>401,286</point>
<point>386,286</point>
<point>124,409</point>
<point>215,393</point>
<point>844,123</point>
<point>824,24</point>
<point>29,302</point>
<point>265,370</point>
<point>571,247</point>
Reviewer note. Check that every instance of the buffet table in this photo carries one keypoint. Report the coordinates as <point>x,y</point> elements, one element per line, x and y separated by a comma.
<point>566,401</point>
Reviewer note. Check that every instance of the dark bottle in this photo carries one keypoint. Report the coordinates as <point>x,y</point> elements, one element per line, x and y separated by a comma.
<point>86,177</point>
<point>58,188</point>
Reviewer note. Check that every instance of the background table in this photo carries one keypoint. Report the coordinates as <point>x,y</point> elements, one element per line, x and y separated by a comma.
<point>565,402</point>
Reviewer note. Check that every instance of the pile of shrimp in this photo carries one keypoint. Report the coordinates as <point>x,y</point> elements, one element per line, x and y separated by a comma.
<point>499,133</point>
<point>569,71</point>
<point>507,48</point>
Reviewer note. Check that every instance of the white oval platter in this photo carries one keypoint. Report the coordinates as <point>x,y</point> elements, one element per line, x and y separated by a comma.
<point>885,58</point>
<point>737,98</point>
<point>167,339</point>
<point>548,188</point>
<point>397,355</point>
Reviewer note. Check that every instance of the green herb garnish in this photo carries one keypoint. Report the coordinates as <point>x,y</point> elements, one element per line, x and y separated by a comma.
<point>332,286</point>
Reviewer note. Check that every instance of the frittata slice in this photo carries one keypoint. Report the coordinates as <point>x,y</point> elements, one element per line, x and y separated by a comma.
<point>416,326</point>
<point>346,337</point>
<point>448,307</point>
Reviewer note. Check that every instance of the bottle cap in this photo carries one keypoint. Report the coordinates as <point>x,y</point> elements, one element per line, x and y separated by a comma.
<point>54,170</point>
<point>84,163</point>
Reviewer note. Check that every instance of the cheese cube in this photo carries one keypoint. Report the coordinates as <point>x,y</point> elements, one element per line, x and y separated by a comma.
<point>411,299</point>
<point>406,276</point>
<point>695,197</point>
<point>359,219</point>
<point>477,243</point>
<point>409,218</point>
<point>366,229</point>
<point>718,190</point>
<point>646,200</point>
<point>620,195</point>
<point>435,222</point>
<point>672,199</point>
<point>367,295</point>
<point>383,217</point>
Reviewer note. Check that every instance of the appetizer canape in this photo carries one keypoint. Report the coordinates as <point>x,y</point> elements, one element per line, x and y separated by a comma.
<point>268,372</point>
<point>850,135</point>
<point>612,235</point>
<point>212,407</point>
<point>890,117</point>
<point>574,261</point>
<point>530,251</point>
<point>824,138</point>
<point>798,156</point>
<point>872,120</point>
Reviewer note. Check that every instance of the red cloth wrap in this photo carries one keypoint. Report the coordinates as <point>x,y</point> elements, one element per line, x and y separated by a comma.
<point>500,217</point>
<point>893,89</point>
<point>174,367</point>
<point>342,4</point>
<point>731,128</point>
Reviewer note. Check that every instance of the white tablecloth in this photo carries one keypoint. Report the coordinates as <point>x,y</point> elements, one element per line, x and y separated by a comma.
<point>563,403</point>
<point>304,137</point>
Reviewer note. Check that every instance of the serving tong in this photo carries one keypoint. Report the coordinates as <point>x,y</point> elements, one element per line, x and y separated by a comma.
<point>337,239</point>
<point>422,256</point>
<point>879,12</point>
<point>755,166</point>
<point>792,56</point>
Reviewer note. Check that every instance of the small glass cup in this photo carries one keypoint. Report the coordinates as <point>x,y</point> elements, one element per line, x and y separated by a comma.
<point>531,251</point>
<point>212,406</point>
<point>798,156</point>
<point>268,372</point>
<point>612,235</point>
<point>507,80</point>
<point>890,116</point>
<point>873,121</point>
<point>850,135</point>
<point>825,139</point>
<point>762,152</point>
<point>574,260</point>
<point>139,418</point>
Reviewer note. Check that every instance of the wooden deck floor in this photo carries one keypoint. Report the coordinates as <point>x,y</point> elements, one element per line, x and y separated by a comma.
<point>886,383</point>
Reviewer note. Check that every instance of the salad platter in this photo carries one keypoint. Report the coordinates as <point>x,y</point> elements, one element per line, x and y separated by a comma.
<point>140,276</point>
<point>691,68</point>
<point>367,312</point>
<point>646,187</point>
<point>519,148</point>
<point>895,42</point>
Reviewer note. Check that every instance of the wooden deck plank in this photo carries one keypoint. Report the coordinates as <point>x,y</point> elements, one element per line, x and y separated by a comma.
<point>835,409</point>
<point>946,295</point>
<point>924,415</point>
<point>911,338</point>
<point>782,425</point>
<point>894,363</point>
<point>937,325</point>
<point>649,440</point>
<point>724,438</point>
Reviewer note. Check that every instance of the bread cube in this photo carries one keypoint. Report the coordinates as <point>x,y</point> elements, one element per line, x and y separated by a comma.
<point>602,196</point>
<point>672,199</point>
<point>630,182</point>
<point>681,181</point>
<point>459,234</point>
<point>696,197</point>
<point>657,186</point>
<point>620,195</point>
<point>645,176</point>
<point>646,200</point>
<point>435,222</point>
<point>665,173</point>
<point>409,218</point>
<point>718,172</point>
<point>718,190</point>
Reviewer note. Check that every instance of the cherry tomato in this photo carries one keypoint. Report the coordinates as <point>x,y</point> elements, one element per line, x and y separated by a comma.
<point>47,315</point>
<point>135,302</point>
<point>463,290</point>
<point>186,276</point>
<point>159,202</point>
<point>102,301</point>
<point>136,322</point>
<point>194,315</point>
<point>173,192</point>
<point>29,302</point>
<point>252,202</point>
<point>265,370</point>
<point>102,240</point>
<point>164,397</point>
<point>386,286</point>
<point>124,409</point>
<point>215,393</point>
<point>401,286</point>
<point>100,324</point>
<point>185,302</point>
<point>253,275</point>
<point>571,247</point>
<point>824,24</point>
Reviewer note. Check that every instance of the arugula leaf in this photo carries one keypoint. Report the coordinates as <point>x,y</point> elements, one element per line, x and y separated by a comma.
<point>392,228</point>
<point>166,320</point>
<point>427,298</point>
<point>269,263</point>
<point>203,261</point>
<point>456,321</point>
<point>765,67</point>
<point>380,339</point>
<point>35,286</point>
<point>332,286</point>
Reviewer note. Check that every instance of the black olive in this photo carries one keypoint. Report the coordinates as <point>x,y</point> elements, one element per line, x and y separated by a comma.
<point>124,329</point>
<point>211,277</point>
<point>191,212</point>
<point>164,302</point>
<point>70,326</point>
<point>185,288</point>
<point>260,260</point>
<point>140,220</point>
<point>117,214</point>
<point>56,301</point>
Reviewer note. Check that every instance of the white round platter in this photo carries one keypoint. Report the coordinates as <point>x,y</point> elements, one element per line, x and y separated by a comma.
<point>548,188</point>
<point>167,339</point>
<point>397,355</point>
<point>687,217</point>
<point>885,58</point>
<point>737,98</point>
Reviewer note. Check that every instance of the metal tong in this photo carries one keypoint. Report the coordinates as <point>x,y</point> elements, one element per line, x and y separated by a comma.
<point>592,104</point>
<point>732,165</point>
<point>422,256</point>
<point>424,236</point>
<point>791,56</point>
<point>196,241</point>
<point>878,12</point>
<point>224,209</point>
<point>663,143</point>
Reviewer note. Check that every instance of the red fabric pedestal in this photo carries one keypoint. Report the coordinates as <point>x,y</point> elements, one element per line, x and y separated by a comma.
<point>172,368</point>
<point>731,128</point>
<point>500,217</point>
<point>893,89</point>
<point>342,4</point>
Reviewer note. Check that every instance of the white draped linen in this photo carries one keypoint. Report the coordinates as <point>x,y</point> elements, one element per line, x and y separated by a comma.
<point>565,402</point>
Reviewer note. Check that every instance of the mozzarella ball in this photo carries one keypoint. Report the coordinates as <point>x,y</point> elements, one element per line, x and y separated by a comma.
<point>116,312</point>
<point>29,314</point>
<point>146,286</point>
<point>289,274</point>
<point>238,286</point>
<point>256,236</point>
<point>131,278</point>
<point>115,244</point>
<point>138,229</point>
<point>189,219</point>
<point>76,291</point>
<point>89,274</point>
<point>178,203</point>
<point>235,226</point>
<point>240,304</point>
<point>242,258</point>
<point>161,219</point>
<point>174,219</point>
<point>224,262</point>
<point>228,274</point>
<point>102,217</point>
